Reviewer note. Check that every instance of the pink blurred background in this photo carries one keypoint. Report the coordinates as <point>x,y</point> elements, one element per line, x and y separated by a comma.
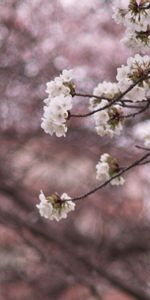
<point>102,250</point>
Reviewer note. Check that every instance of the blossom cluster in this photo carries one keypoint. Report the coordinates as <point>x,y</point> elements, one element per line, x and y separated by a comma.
<point>106,168</point>
<point>55,207</point>
<point>58,104</point>
<point>108,121</point>
<point>135,15</point>
<point>107,103</point>
<point>137,67</point>
<point>109,117</point>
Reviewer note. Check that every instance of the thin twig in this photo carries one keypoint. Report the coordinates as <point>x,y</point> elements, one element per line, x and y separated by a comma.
<point>134,164</point>
<point>138,112</point>
<point>110,102</point>
<point>91,96</point>
<point>142,148</point>
<point>144,163</point>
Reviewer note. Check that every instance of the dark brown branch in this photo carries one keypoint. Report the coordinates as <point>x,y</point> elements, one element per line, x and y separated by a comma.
<point>132,115</point>
<point>91,96</point>
<point>113,101</point>
<point>144,163</point>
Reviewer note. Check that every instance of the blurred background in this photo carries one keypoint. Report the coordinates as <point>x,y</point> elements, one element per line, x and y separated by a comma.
<point>102,250</point>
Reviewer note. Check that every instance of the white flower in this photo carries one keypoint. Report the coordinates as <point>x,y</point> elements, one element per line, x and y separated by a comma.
<point>55,116</point>
<point>104,157</point>
<point>58,104</point>
<point>65,102</point>
<point>67,206</point>
<point>132,13</point>
<point>120,9</point>
<point>45,208</point>
<point>101,117</point>
<point>102,171</point>
<point>107,121</point>
<point>105,89</point>
<point>55,207</point>
<point>67,75</point>
<point>60,85</point>
<point>56,88</point>
<point>138,41</point>
<point>131,73</point>
<point>136,17</point>
<point>118,181</point>
<point>52,127</point>
<point>106,168</point>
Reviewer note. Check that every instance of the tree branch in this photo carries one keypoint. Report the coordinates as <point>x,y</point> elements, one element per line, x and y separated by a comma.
<point>124,170</point>
<point>112,101</point>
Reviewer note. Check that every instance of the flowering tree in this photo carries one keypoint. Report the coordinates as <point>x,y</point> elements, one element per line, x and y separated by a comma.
<point>102,250</point>
<point>110,104</point>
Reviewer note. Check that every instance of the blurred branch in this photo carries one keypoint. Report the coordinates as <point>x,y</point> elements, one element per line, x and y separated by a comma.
<point>13,24</point>
<point>76,257</point>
